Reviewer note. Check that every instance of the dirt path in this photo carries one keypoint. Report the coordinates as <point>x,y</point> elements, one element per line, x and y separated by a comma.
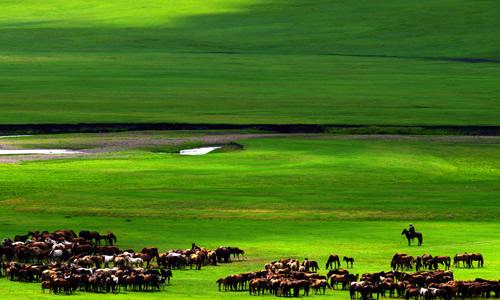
<point>110,144</point>
<point>100,143</point>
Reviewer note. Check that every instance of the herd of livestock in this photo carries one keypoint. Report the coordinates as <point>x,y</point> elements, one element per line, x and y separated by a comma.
<point>291,278</point>
<point>405,261</point>
<point>65,262</point>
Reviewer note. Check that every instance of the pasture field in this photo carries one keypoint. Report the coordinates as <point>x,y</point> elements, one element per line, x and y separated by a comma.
<point>396,62</point>
<point>279,197</point>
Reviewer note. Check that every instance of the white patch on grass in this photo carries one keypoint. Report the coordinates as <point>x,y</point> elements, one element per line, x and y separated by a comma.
<point>37,151</point>
<point>13,136</point>
<point>198,151</point>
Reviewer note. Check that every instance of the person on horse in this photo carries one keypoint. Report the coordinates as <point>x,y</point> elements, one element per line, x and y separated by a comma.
<point>411,229</point>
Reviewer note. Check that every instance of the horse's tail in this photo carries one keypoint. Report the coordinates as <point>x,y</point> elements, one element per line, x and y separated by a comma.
<point>481,260</point>
<point>421,238</point>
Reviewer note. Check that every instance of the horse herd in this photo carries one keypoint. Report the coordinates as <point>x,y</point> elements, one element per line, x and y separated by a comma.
<point>290,277</point>
<point>406,262</point>
<point>287,277</point>
<point>65,262</point>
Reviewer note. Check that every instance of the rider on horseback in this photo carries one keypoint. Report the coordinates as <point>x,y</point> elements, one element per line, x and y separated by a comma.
<point>411,229</point>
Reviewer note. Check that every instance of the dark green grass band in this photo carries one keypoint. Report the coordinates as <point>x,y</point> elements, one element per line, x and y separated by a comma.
<point>280,128</point>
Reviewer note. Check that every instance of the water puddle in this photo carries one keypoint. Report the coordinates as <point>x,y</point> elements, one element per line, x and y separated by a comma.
<point>198,151</point>
<point>37,151</point>
<point>13,136</point>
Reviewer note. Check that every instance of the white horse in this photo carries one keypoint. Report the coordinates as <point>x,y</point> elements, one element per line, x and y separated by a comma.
<point>107,259</point>
<point>424,293</point>
<point>127,254</point>
<point>135,262</point>
<point>59,246</point>
<point>56,255</point>
<point>50,241</point>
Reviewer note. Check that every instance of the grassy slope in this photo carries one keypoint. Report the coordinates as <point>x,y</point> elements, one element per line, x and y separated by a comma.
<point>279,197</point>
<point>249,61</point>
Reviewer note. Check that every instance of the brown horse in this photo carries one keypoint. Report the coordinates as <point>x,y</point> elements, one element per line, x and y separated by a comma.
<point>310,265</point>
<point>476,257</point>
<point>467,260</point>
<point>108,238</point>
<point>464,258</point>
<point>196,260</point>
<point>66,234</point>
<point>107,250</point>
<point>333,262</point>
<point>426,257</point>
<point>145,258</point>
<point>348,260</point>
<point>402,261</point>
<point>443,260</point>
<point>152,251</point>
<point>82,249</point>
<point>336,279</point>
<point>319,284</point>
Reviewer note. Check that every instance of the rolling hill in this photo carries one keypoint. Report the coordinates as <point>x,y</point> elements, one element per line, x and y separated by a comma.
<point>250,61</point>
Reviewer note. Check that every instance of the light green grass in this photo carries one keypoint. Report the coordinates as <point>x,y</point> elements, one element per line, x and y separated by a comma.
<point>249,61</point>
<point>279,197</point>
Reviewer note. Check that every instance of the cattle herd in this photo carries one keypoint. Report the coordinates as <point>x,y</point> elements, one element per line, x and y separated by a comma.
<point>290,277</point>
<point>65,262</point>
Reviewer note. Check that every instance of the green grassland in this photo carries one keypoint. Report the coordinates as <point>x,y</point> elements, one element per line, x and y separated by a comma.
<point>250,61</point>
<point>279,197</point>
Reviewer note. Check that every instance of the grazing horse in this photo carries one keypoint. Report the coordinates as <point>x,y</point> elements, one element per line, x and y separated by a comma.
<point>426,257</point>
<point>464,258</point>
<point>109,238</point>
<point>443,260</point>
<point>401,260</point>
<point>410,236</point>
<point>310,265</point>
<point>87,235</point>
<point>348,260</point>
<point>333,261</point>
<point>236,252</point>
<point>476,257</point>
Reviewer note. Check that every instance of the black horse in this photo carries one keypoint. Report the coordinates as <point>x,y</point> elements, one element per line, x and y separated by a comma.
<point>412,235</point>
<point>23,238</point>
